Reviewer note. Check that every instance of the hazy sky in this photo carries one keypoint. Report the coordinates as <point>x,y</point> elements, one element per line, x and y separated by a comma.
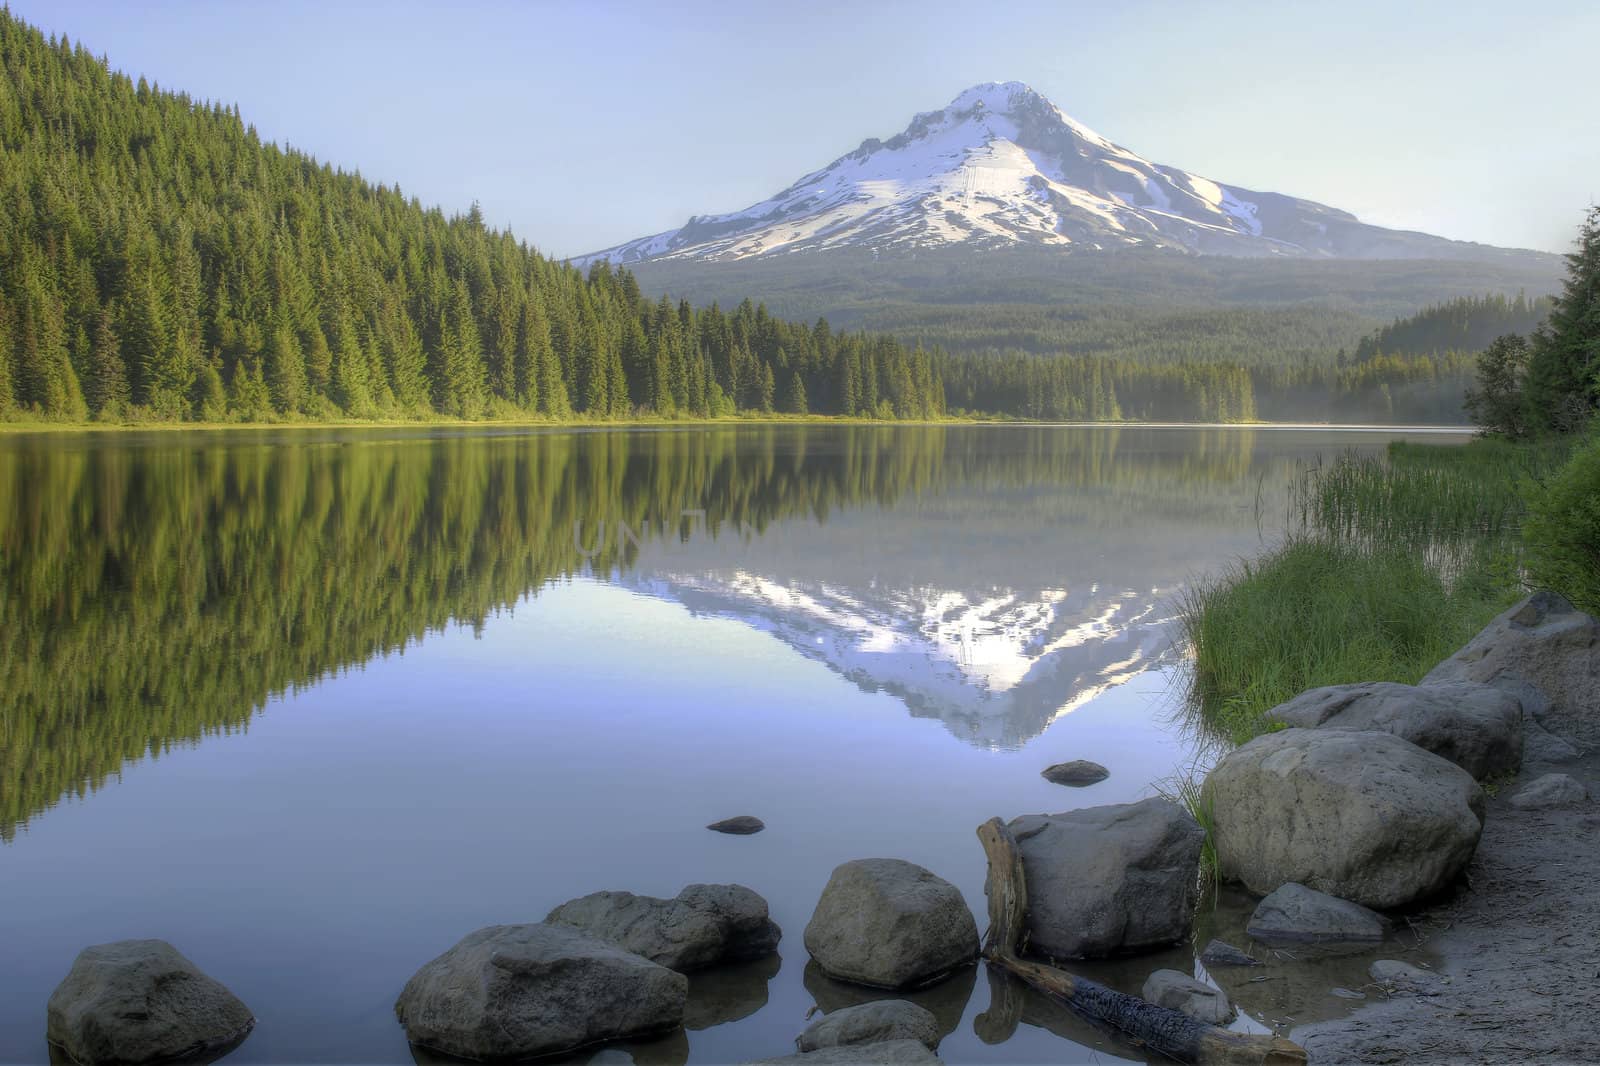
<point>581,125</point>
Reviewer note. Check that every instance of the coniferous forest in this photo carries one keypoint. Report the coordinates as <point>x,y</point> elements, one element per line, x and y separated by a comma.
<point>160,262</point>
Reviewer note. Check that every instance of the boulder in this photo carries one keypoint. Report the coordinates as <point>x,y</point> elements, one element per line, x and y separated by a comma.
<point>888,1052</point>
<point>1182,993</point>
<point>1109,880</point>
<point>1545,652</point>
<point>872,1023</point>
<point>140,1001</point>
<point>1077,773</point>
<point>1551,790</point>
<point>887,923</point>
<point>741,825</point>
<point>1477,727</point>
<point>946,1000</point>
<point>1367,817</point>
<point>1540,747</point>
<point>1216,953</point>
<point>1404,979</point>
<point>521,991</point>
<point>705,925</point>
<point>1295,913</point>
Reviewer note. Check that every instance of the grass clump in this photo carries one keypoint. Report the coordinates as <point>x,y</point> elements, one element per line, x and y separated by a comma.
<point>1319,612</point>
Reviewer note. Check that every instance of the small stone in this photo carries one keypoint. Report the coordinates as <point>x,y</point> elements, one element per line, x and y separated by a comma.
<point>1182,993</point>
<point>1297,913</point>
<point>872,1023</point>
<point>1348,993</point>
<point>1551,790</point>
<point>1218,953</point>
<point>742,825</point>
<point>1402,978</point>
<point>1077,773</point>
<point>888,1053</point>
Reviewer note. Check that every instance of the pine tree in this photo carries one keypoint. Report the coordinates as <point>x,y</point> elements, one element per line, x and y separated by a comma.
<point>795,399</point>
<point>767,398</point>
<point>106,382</point>
<point>286,372</point>
<point>1563,381</point>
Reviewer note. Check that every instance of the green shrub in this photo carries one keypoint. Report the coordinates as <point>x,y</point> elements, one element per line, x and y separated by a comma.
<point>1562,530</point>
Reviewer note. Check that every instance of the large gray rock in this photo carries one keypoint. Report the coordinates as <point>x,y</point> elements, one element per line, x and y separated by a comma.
<point>520,991</point>
<point>1551,790</point>
<point>140,1001</point>
<point>1182,993</point>
<point>705,925</point>
<point>1477,727</point>
<point>1545,652</point>
<point>1295,913</point>
<point>911,1052</point>
<point>1363,816</point>
<point>872,1023</point>
<point>890,924</point>
<point>1109,880</point>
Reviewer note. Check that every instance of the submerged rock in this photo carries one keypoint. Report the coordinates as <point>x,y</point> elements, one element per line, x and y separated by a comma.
<point>889,1052</point>
<point>1077,773</point>
<point>872,1023</point>
<point>140,1001</point>
<point>741,825</point>
<point>1216,953</point>
<point>1551,790</point>
<point>1295,913</point>
<point>522,991</point>
<point>887,923</point>
<point>1182,993</point>
<point>1477,727</point>
<point>703,926</point>
<point>1109,880</point>
<point>1366,817</point>
<point>1545,652</point>
<point>1402,978</point>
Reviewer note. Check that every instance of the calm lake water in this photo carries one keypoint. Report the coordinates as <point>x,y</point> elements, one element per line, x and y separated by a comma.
<point>313,705</point>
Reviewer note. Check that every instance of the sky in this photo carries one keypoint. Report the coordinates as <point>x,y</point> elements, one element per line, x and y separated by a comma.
<point>581,125</point>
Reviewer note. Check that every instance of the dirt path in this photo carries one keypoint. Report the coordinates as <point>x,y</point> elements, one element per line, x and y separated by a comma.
<point>1522,949</point>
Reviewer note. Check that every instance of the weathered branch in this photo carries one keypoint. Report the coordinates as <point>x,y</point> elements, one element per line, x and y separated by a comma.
<point>1165,1031</point>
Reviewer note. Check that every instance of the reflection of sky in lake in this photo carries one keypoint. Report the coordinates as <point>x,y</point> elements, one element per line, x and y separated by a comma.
<point>581,740</point>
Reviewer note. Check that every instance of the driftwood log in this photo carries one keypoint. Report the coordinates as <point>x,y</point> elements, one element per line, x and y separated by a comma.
<point>1158,1029</point>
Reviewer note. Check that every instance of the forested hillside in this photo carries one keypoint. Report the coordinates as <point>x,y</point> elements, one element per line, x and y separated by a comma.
<point>158,260</point>
<point>1468,324</point>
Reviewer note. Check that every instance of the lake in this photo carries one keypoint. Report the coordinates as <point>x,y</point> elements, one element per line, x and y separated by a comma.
<point>314,704</point>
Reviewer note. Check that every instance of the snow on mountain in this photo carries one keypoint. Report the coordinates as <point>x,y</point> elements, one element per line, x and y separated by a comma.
<point>1003,165</point>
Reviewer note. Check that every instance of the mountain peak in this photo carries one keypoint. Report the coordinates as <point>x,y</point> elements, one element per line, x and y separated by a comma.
<point>1002,165</point>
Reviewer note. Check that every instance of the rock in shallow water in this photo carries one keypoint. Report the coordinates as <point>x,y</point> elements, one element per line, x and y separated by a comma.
<point>1216,953</point>
<point>1182,993</point>
<point>1551,790</point>
<point>1109,880</point>
<point>140,1001</point>
<point>887,923</point>
<point>741,825</point>
<point>1402,978</point>
<point>1477,727</point>
<point>1366,817</point>
<point>889,1052</point>
<point>521,991</point>
<point>1077,773</point>
<point>703,926</point>
<point>872,1023</point>
<point>1295,913</point>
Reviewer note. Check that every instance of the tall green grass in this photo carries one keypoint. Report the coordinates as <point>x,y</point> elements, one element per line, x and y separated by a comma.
<point>1391,563</point>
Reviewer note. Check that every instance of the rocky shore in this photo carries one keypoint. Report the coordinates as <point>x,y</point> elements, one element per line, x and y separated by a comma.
<point>1440,834</point>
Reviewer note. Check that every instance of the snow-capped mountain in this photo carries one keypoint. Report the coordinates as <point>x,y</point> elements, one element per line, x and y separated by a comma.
<point>1002,165</point>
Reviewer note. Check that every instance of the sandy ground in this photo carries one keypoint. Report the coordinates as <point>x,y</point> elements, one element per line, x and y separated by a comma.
<point>1521,946</point>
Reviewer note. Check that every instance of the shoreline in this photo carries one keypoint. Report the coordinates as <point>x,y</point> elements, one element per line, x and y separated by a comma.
<point>22,428</point>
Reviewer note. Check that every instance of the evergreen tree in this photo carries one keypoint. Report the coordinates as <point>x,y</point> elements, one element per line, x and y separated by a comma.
<point>106,382</point>
<point>795,397</point>
<point>1563,380</point>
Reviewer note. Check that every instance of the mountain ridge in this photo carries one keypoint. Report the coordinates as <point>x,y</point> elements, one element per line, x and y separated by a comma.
<point>1001,165</point>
